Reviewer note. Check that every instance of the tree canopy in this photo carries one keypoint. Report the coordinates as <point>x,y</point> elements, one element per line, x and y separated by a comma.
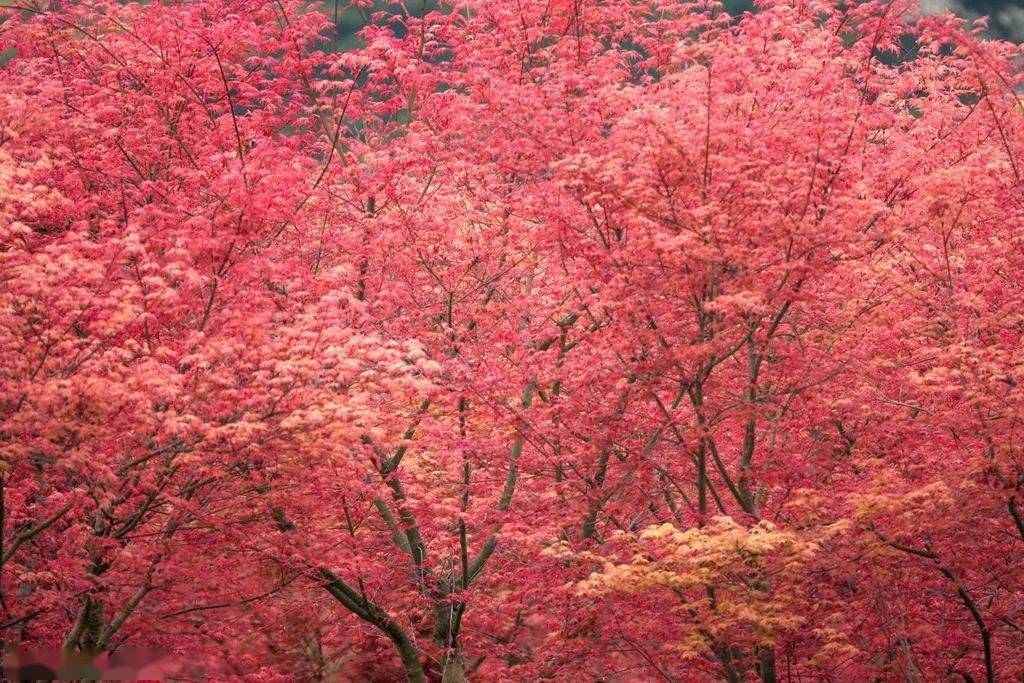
<point>566,340</point>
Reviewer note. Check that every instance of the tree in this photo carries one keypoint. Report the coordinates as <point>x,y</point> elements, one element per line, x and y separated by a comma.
<point>540,340</point>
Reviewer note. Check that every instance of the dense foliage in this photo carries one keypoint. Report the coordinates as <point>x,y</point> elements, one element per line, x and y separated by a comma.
<point>537,340</point>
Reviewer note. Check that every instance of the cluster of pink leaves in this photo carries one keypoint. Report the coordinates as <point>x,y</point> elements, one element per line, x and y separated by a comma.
<point>535,340</point>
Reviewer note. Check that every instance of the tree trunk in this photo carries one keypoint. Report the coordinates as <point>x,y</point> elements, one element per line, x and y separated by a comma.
<point>766,664</point>
<point>454,668</point>
<point>446,636</point>
<point>410,658</point>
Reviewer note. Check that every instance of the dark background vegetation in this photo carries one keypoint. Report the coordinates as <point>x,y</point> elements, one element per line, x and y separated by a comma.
<point>1006,16</point>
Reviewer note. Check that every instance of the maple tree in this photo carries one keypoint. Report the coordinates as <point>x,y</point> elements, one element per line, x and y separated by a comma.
<point>561,340</point>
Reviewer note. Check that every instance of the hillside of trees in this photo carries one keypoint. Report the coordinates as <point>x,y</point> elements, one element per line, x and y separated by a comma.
<point>602,341</point>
